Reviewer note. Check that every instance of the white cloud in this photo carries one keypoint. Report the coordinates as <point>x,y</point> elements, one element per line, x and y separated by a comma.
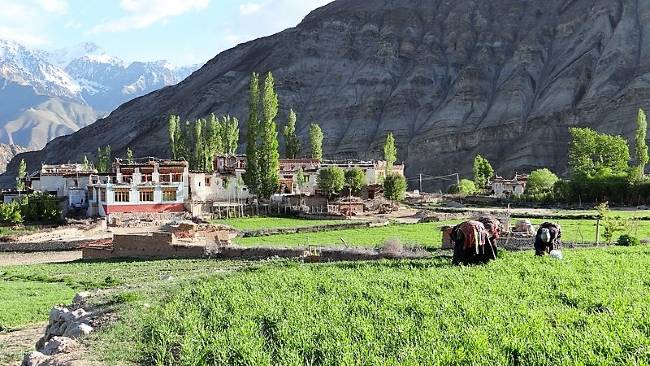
<point>258,19</point>
<point>21,36</point>
<point>54,6</point>
<point>22,22</point>
<point>144,13</point>
<point>250,8</point>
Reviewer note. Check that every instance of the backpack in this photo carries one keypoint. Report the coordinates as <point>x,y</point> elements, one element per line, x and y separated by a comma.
<point>545,235</point>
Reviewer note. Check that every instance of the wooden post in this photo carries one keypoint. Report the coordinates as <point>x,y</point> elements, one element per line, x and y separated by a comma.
<point>597,230</point>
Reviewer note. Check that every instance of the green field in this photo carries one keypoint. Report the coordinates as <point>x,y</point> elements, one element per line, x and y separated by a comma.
<point>590,309</point>
<point>259,223</point>
<point>427,235</point>
<point>39,287</point>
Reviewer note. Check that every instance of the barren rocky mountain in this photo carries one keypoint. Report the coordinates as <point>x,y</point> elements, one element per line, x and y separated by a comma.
<point>450,78</point>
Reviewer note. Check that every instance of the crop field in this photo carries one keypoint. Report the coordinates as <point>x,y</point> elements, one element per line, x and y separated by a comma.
<point>27,293</point>
<point>258,223</point>
<point>427,235</point>
<point>589,309</point>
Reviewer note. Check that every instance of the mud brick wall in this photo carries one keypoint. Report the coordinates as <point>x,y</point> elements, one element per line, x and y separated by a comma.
<point>153,245</point>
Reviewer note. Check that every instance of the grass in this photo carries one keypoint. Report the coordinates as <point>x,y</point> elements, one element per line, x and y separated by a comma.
<point>259,223</point>
<point>41,286</point>
<point>19,230</point>
<point>28,302</point>
<point>589,309</point>
<point>427,235</point>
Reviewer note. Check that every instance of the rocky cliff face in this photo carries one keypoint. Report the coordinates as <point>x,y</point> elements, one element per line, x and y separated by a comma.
<point>450,78</point>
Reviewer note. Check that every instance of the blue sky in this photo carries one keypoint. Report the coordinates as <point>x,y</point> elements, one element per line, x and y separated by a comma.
<point>181,31</point>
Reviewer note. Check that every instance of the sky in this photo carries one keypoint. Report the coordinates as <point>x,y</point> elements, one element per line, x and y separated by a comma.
<point>181,31</point>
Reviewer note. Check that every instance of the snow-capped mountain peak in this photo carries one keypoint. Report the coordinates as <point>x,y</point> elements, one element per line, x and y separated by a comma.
<point>23,66</point>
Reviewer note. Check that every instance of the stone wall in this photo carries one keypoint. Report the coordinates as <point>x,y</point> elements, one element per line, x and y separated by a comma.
<point>151,245</point>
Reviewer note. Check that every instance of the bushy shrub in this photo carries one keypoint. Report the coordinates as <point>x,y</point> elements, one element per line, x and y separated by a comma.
<point>541,181</point>
<point>394,187</point>
<point>40,207</point>
<point>627,240</point>
<point>465,186</point>
<point>10,213</point>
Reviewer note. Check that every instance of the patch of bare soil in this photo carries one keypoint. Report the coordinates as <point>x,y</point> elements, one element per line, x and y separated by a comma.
<point>14,345</point>
<point>11,258</point>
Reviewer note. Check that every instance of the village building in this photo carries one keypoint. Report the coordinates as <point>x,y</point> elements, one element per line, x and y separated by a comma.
<point>503,188</point>
<point>64,181</point>
<point>289,169</point>
<point>224,184</point>
<point>145,185</point>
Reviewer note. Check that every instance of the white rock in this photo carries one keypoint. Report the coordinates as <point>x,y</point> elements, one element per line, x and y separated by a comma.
<point>76,330</point>
<point>59,345</point>
<point>556,254</point>
<point>81,297</point>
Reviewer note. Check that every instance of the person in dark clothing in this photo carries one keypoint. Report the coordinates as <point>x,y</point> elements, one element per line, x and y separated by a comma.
<point>547,238</point>
<point>474,243</point>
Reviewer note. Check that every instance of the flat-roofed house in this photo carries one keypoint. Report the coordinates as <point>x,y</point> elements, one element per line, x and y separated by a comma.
<point>144,185</point>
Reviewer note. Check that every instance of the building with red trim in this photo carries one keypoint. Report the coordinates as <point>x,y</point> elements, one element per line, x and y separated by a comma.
<point>144,185</point>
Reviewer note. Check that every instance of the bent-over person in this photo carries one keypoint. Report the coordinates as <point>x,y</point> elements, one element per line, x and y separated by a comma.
<point>475,241</point>
<point>547,238</point>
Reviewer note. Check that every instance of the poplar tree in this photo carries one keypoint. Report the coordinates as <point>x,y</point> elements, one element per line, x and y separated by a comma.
<point>230,134</point>
<point>173,133</point>
<point>316,141</point>
<point>269,156</point>
<point>292,144</point>
<point>22,174</point>
<point>129,155</point>
<point>640,146</point>
<point>390,152</point>
<point>252,175</point>
<point>199,155</point>
<point>212,140</point>
<point>104,159</point>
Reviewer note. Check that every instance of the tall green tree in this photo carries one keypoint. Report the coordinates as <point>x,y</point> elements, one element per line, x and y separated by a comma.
<point>212,140</point>
<point>173,129</point>
<point>252,175</point>
<point>292,143</point>
<point>640,146</point>
<point>22,175</point>
<point>300,179</point>
<point>596,154</point>
<point>230,134</point>
<point>199,152</point>
<point>482,171</point>
<point>331,180</point>
<point>354,179</point>
<point>104,159</point>
<point>390,152</point>
<point>316,141</point>
<point>129,155</point>
<point>86,164</point>
<point>269,155</point>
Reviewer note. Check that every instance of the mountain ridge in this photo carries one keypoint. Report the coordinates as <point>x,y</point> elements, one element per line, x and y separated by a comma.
<point>450,79</point>
<point>80,84</point>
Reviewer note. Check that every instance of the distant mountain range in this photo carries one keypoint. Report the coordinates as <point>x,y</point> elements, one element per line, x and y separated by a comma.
<point>46,94</point>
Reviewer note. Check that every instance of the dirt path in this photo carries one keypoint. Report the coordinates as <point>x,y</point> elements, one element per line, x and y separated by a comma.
<point>10,258</point>
<point>14,345</point>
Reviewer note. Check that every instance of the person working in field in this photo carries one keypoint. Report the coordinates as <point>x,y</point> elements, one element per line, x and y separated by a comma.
<point>547,238</point>
<point>475,241</point>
